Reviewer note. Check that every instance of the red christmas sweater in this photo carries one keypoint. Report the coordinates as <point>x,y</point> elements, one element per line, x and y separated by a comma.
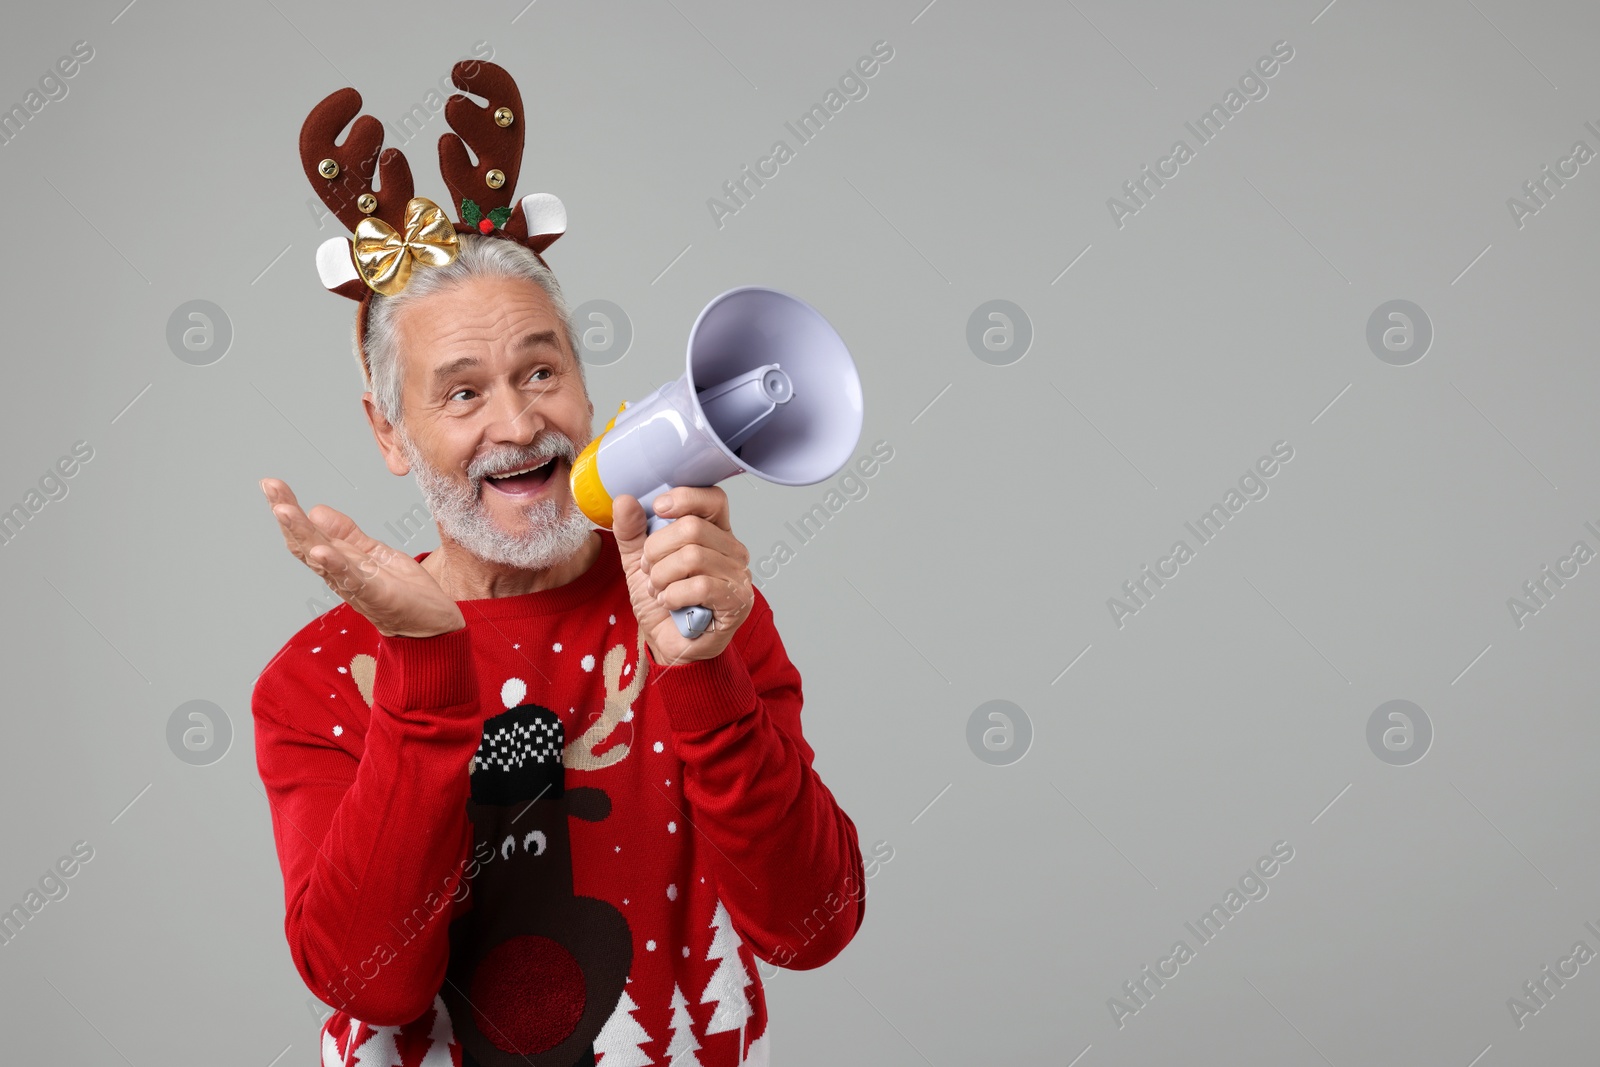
<point>526,843</point>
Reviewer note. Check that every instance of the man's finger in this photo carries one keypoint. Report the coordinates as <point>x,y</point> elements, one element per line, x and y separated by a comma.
<point>278,492</point>
<point>708,502</point>
<point>287,511</point>
<point>304,536</point>
<point>335,523</point>
<point>716,593</point>
<point>628,525</point>
<point>695,558</point>
<point>340,565</point>
<point>689,530</point>
<point>298,530</point>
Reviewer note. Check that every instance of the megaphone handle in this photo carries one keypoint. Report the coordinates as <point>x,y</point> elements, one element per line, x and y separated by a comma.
<point>691,621</point>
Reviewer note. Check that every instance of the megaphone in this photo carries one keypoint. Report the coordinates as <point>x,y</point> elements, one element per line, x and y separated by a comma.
<point>769,388</point>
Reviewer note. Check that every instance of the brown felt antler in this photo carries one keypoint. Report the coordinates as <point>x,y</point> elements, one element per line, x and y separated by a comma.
<point>495,134</point>
<point>354,162</point>
<point>342,175</point>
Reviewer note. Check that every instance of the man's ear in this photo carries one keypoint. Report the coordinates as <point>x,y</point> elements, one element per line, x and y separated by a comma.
<point>384,433</point>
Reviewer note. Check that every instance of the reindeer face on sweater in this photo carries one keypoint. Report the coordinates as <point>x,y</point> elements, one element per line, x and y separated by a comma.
<point>534,970</point>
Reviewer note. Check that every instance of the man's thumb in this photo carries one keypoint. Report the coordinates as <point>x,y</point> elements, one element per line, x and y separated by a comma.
<point>629,527</point>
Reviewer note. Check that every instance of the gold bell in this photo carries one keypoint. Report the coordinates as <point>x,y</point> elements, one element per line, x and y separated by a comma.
<point>328,168</point>
<point>503,116</point>
<point>495,178</point>
<point>366,203</point>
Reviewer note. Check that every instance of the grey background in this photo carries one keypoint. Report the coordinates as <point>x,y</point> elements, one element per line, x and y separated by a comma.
<point>1230,313</point>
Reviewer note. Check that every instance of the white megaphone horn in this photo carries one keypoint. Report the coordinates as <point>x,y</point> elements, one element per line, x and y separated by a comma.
<point>769,387</point>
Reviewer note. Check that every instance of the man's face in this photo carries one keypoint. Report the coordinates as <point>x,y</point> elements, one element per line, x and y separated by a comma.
<point>489,387</point>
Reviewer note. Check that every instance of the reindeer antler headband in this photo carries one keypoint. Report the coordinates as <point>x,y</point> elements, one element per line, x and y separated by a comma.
<point>396,231</point>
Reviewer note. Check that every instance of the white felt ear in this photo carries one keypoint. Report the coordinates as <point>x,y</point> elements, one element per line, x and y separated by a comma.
<point>545,214</point>
<point>335,265</point>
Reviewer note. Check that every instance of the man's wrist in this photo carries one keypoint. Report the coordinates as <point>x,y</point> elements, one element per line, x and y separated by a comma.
<point>705,693</point>
<point>424,672</point>
<point>422,636</point>
<point>658,660</point>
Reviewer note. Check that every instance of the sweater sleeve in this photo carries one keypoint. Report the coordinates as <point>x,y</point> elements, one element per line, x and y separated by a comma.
<point>371,848</point>
<point>789,866</point>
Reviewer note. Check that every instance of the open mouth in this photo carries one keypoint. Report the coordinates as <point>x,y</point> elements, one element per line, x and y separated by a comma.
<point>524,481</point>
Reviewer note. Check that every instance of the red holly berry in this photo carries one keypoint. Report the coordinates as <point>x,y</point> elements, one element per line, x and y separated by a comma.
<point>485,225</point>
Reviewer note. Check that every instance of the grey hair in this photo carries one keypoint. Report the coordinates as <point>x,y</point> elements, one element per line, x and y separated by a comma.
<point>479,256</point>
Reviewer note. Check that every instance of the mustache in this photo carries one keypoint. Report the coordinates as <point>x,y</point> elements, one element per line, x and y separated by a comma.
<point>554,444</point>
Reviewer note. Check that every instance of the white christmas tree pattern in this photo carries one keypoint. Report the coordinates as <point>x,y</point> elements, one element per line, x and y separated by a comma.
<point>727,986</point>
<point>330,1050</point>
<point>379,1050</point>
<point>681,1050</point>
<point>442,1036</point>
<point>618,1041</point>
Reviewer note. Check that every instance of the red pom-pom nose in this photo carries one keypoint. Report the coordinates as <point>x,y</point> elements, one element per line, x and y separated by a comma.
<point>528,994</point>
<point>485,225</point>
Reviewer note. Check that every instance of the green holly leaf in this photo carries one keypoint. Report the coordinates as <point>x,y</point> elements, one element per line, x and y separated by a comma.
<point>499,216</point>
<point>470,212</point>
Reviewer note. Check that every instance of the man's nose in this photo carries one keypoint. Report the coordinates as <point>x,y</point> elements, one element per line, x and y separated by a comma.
<point>514,416</point>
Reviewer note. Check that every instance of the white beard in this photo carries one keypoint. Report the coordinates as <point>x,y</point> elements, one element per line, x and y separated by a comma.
<point>457,506</point>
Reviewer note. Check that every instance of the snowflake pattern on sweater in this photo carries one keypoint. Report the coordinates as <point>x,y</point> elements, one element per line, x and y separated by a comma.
<point>527,843</point>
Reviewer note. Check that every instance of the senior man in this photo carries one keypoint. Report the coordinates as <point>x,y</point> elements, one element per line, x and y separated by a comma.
<point>521,819</point>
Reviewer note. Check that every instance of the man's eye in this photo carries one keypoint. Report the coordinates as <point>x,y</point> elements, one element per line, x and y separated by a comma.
<point>468,394</point>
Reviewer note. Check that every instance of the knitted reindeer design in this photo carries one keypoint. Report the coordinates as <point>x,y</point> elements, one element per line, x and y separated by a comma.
<point>534,970</point>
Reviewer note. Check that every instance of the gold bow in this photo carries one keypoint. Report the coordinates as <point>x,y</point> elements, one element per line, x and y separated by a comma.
<point>384,256</point>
